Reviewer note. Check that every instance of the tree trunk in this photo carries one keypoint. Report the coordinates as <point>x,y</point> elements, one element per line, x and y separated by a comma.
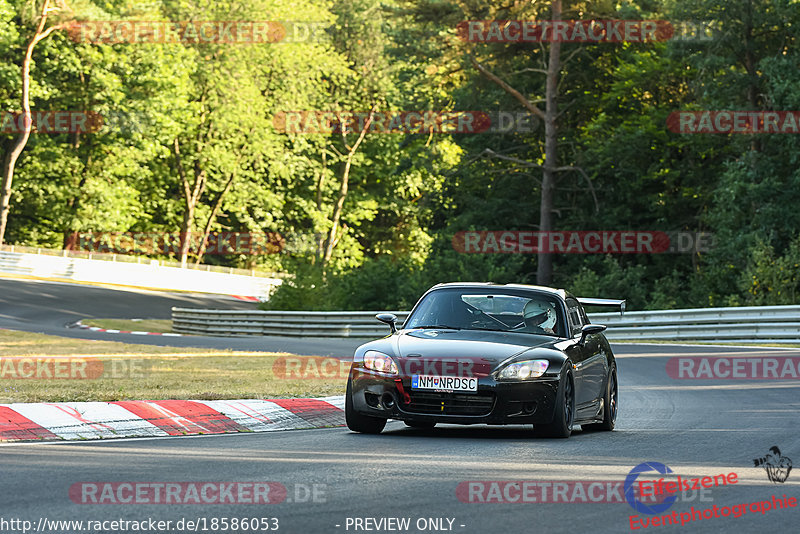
<point>337,210</point>
<point>320,238</point>
<point>187,225</point>
<point>191,195</point>
<point>544,268</point>
<point>343,185</point>
<point>214,210</point>
<point>750,65</point>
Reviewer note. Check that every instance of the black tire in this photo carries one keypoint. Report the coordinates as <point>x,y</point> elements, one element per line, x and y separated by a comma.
<point>610,404</point>
<point>420,424</point>
<point>356,421</point>
<point>564,415</point>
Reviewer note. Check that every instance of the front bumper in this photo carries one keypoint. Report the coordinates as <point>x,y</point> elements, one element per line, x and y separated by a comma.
<point>495,403</point>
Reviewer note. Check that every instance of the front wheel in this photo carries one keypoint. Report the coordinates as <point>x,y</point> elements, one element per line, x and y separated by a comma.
<point>610,403</point>
<point>564,414</point>
<point>356,421</point>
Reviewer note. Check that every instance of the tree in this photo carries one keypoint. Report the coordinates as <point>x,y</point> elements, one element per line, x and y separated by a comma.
<point>41,32</point>
<point>529,92</point>
<point>544,270</point>
<point>365,86</point>
<point>228,144</point>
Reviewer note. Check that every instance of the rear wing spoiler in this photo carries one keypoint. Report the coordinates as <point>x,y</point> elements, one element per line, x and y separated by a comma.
<point>604,302</point>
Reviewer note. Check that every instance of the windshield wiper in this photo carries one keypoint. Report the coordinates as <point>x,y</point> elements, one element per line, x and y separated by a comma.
<point>442,326</point>
<point>487,329</point>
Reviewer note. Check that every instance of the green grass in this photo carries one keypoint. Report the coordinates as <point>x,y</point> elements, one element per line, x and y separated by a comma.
<point>133,325</point>
<point>157,372</point>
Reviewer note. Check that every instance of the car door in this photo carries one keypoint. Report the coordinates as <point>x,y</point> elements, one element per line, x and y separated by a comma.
<point>595,367</point>
<point>576,352</point>
<point>588,363</point>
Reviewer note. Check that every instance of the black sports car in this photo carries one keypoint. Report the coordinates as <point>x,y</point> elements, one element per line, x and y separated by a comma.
<point>478,353</point>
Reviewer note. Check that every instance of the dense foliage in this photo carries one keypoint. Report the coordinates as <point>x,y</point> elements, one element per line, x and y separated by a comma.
<point>192,143</point>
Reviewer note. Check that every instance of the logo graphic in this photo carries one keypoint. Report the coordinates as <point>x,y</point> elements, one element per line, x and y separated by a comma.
<point>776,465</point>
<point>630,484</point>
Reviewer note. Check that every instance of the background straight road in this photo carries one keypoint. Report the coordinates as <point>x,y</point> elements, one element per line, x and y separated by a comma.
<point>49,307</point>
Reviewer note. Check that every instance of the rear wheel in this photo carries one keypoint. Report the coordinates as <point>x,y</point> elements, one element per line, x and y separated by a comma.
<point>420,424</point>
<point>610,403</point>
<point>356,421</point>
<point>564,415</point>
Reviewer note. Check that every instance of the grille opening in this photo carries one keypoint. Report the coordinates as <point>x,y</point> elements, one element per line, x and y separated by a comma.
<point>450,403</point>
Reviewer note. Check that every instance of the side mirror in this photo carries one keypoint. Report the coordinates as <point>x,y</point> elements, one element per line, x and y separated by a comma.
<point>590,330</point>
<point>388,318</point>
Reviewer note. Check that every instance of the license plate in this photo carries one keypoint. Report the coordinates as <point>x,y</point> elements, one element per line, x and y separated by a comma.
<point>444,383</point>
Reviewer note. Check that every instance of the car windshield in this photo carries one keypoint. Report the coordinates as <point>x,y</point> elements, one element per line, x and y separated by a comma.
<point>528,312</point>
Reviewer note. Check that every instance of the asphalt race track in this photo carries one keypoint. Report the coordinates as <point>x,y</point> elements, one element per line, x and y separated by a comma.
<point>696,427</point>
<point>699,428</point>
<point>49,307</point>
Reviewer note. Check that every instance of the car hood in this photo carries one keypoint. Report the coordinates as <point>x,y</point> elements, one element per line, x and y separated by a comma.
<point>461,352</point>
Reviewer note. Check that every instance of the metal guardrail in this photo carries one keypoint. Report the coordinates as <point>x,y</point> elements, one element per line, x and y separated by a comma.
<point>752,324</point>
<point>772,324</point>
<point>280,323</point>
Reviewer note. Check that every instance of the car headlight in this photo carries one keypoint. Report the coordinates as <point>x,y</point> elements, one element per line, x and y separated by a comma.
<point>378,361</point>
<point>524,370</point>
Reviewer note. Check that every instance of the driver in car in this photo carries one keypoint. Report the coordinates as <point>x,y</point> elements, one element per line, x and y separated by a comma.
<point>538,317</point>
